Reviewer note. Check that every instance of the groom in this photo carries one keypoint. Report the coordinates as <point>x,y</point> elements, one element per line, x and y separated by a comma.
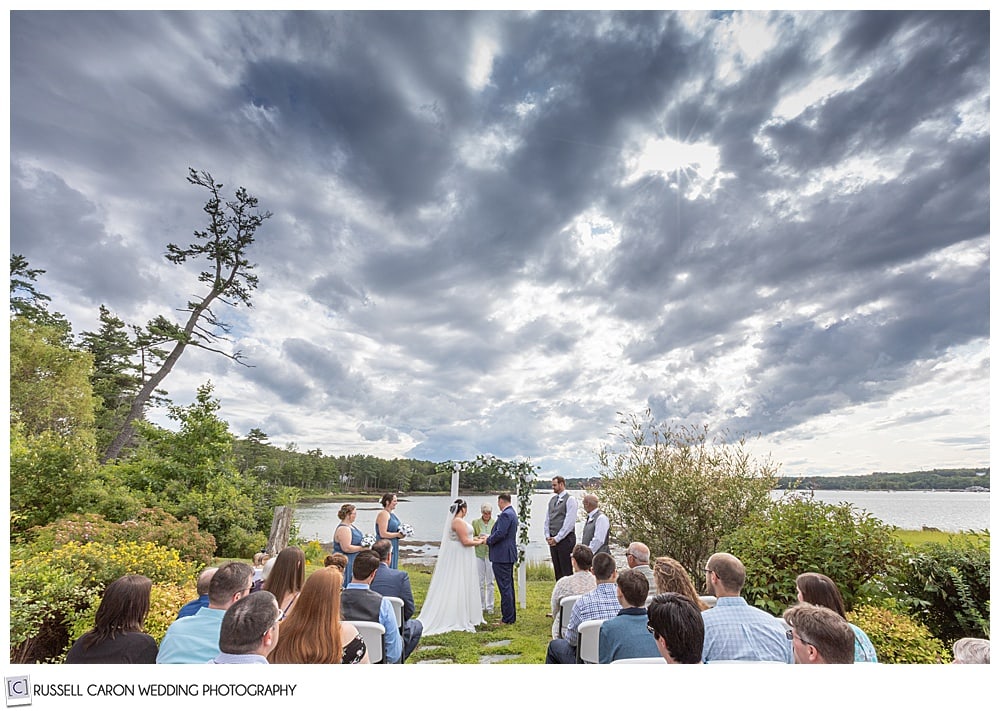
<point>503,554</point>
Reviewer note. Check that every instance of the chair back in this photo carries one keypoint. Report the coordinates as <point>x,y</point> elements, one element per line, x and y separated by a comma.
<point>397,609</point>
<point>565,610</point>
<point>588,645</point>
<point>641,660</point>
<point>709,600</point>
<point>374,635</point>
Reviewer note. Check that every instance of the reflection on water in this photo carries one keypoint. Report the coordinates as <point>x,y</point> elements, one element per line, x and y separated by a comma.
<point>947,511</point>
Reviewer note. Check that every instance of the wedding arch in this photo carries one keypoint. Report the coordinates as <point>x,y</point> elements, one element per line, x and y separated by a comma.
<point>523,473</point>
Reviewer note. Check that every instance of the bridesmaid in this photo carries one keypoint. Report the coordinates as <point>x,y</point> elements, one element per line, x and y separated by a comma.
<point>347,538</point>
<point>387,526</point>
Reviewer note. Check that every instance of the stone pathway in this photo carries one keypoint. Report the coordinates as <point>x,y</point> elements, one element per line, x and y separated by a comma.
<point>483,659</point>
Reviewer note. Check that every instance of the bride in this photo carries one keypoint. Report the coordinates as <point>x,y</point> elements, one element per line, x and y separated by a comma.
<point>453,599</point>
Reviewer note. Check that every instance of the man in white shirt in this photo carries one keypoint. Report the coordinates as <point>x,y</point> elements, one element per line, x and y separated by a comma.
<point>597,528</point>
<point>560,527</point>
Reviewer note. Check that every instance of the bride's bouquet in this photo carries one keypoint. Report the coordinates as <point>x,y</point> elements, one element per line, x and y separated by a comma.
<point>368,540</point>
<point>406,529</point>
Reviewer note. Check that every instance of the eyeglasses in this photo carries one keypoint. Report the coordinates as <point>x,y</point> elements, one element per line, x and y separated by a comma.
<point>649,628</point>
<point>790,635</point>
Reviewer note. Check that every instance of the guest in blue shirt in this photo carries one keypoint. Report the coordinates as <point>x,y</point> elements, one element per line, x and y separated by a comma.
<point>202,587</point>
<point>625,636</point>
<point>195,639</point>
<point>735,631</point>
<point>249,630</point>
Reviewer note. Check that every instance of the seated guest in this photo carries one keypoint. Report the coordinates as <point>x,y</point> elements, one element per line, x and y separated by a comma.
<point>671,577</point>
<point>819,635</point>
<point>313,632</point>
<point>392,582</point>
<point>359,602</point>
<point>971,650</point>
<point>626,636</point>
<point>117,636</point>
<point>249,630</point>
<point>733,629</point>
<point>336,559</point>
<point>286,577</point>
<point>195,639</point>
<point>818,589</point>
<point>204,578</point>
<point>581,581</point>
<point>601,603</point>
<point>677,627</point>
<point>637,558</point>
<point>258,569</point>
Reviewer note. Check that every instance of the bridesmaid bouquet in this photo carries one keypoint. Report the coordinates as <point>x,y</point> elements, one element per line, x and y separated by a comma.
<point>367,540</point>
<point>406,529</point>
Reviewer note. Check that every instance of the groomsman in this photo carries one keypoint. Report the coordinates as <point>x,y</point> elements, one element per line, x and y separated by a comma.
<point>503,555</point>
<point>560,527</point>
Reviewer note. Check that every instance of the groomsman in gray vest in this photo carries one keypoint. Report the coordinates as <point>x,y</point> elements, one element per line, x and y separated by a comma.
<point>560,527</point>
<point>597,529</point>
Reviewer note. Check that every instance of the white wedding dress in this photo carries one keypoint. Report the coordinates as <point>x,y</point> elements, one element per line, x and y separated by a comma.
<point>453,600</point>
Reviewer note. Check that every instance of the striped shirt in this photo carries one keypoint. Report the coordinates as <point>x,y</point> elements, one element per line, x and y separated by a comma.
<point>599,604</point>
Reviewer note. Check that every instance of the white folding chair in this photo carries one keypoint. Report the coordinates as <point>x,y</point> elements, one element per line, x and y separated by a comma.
<point>397,609</point>
<point>709,600</point>
<point>743,661</point>
<point>641,660</point>
<point>374,635</point>
<point>565,610</point>
<point>588,644</point>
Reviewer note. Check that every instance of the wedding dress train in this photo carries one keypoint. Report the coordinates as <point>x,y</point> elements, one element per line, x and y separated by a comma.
<point>453,600</point>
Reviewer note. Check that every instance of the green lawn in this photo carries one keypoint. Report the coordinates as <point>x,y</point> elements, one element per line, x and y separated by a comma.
<point>528,637</point>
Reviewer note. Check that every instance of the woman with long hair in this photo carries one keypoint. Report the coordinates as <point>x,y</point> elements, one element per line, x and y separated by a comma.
<point>347,537</point>
<point>117,636</point>
<point>387,526</point>
<point>453,601</point>
<point>819,589</point>
<point>313,632</point>
<point>286,578</point>
<point>671,576</point>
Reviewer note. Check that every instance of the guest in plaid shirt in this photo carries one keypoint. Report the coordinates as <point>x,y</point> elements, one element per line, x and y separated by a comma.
<point>599,604</point>
<point>733,629</point>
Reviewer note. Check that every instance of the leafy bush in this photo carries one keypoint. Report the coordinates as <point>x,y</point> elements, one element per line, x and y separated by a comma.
<point>898,638</point>
<point>314,552</point>
<point>679,491</point>
<point>798,534</point>
<point>947,586</point>
<point>52,592</point>
<point>148,526</point>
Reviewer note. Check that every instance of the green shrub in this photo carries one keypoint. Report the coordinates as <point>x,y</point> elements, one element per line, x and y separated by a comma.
<point>43,599</point>
<point>148,526</point>
<point>54,593</point>
<point>898,638</point>
<point>947,586</point>
<point>314,552</point>
<point>798,534</point>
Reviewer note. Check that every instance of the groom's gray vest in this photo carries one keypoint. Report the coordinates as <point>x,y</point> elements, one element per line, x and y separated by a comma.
<point>588,533</point>
<point>557,514</point>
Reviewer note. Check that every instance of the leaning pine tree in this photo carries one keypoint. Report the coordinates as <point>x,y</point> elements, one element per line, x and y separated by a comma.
<point>223,244</point>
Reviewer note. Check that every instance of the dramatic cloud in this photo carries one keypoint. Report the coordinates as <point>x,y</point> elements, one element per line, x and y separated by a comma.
<point>495,231</point>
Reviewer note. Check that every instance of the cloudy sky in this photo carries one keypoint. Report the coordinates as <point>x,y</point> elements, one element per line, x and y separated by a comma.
<point>494,231</point>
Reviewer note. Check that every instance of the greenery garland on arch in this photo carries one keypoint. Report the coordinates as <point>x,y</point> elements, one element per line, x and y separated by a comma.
<point>521,471</point>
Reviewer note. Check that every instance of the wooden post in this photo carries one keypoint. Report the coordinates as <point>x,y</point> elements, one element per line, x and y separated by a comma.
<point>280,530</point>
